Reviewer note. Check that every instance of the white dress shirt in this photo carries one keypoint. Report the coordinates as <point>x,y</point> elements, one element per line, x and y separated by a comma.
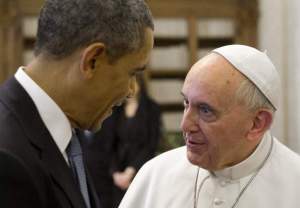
<point>53,117</point>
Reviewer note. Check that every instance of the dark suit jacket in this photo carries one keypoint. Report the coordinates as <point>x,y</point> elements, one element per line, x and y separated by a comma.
<point>33,172</point>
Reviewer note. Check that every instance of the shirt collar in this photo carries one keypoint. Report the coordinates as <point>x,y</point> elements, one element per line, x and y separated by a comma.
<point>53,117</point>
<point>251,164</point>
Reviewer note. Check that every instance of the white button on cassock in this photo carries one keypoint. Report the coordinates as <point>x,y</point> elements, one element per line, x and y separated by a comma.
<point>224,183</point>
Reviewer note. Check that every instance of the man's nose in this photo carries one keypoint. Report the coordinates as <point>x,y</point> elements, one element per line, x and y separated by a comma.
<point>189,122</point>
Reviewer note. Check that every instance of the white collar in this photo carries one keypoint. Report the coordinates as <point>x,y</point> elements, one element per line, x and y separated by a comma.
<point>251,164</point>
<point>53,117</point>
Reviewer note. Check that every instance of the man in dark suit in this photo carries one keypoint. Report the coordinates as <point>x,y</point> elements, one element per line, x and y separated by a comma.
<point>87,56</point>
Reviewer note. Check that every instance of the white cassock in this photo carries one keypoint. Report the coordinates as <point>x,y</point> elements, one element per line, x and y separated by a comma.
<point>168,181</point>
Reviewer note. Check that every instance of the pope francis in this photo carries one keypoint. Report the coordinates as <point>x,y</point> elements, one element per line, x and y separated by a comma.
<point>231,158</point>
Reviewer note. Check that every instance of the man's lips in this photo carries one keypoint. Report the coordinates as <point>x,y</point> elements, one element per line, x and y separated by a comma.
<point>194,144</point>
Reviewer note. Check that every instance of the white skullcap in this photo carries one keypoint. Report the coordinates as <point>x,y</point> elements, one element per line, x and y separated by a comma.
<point>256,66</point>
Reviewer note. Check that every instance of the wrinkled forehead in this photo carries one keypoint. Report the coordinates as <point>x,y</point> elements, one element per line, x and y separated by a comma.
<point>213,80</point>
<point>215,69</point>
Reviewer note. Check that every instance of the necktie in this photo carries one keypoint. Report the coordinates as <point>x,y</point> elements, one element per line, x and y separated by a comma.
<point>76,163</point>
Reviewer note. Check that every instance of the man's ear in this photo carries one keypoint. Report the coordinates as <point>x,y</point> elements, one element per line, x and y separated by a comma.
<point>260,124</point>
<point>89,58</point>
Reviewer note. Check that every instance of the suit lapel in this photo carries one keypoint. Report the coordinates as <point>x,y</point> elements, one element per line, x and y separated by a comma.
<point>20,103</point>
<point>92,191</point>
<point>61,173</point>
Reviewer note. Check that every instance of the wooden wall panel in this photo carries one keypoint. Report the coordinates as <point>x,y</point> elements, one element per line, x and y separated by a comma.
<point>195,8</point>
<point>244,12</point>
<point>247,22</point>
<point>30,7</point>
<point>11,40</point>
<point>192,40</point>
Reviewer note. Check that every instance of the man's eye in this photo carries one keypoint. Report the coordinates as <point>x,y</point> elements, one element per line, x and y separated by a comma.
<point>207,113</point>
<point>205,110</point>
<point>136,73</point>
<point>132,74</point>
<point>185,103</point>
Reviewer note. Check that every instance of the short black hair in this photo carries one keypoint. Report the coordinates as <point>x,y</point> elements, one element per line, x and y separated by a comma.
<point>67,25</point>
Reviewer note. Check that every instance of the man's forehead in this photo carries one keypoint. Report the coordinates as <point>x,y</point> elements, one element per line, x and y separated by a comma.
<point>208,59</point>
<point>214,95</point>
<point>211,80</point>
<point>214,68</point>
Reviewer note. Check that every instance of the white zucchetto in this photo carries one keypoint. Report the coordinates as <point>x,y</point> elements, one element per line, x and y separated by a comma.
<point>257,67</point>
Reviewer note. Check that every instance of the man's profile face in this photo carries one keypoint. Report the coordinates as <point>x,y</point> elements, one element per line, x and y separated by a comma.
<point>214,123</point>
<point>117,81</point>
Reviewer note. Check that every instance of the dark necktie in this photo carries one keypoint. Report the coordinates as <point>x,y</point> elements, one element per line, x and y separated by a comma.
<point>76,163</point>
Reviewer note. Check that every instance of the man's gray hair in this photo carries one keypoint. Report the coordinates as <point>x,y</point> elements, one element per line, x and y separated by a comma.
<point>67,25</point>
<point>252,97</point>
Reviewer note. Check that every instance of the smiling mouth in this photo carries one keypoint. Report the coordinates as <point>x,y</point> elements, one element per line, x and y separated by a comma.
<point>194,144</point>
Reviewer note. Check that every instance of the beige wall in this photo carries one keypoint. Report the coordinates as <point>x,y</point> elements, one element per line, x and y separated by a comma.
<point>271,38</point>
<point>279,34</point>
<point>293,75</point>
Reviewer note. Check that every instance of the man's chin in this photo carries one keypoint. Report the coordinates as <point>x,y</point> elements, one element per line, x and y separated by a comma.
<point>197,160</point>
<point>95,130</point>
<point>98,125</point>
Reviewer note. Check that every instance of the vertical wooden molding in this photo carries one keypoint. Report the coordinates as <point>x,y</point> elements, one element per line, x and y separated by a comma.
<point>192,39</point>
<point>10,38</point>
<point>247,16</point>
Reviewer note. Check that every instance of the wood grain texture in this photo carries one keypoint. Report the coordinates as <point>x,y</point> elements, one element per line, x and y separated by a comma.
<point>10,38</point>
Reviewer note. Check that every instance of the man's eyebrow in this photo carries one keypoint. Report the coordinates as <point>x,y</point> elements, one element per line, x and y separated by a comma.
<point>199,103</point>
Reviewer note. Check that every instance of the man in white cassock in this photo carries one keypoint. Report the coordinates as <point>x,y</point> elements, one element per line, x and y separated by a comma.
<point>230,159</point>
